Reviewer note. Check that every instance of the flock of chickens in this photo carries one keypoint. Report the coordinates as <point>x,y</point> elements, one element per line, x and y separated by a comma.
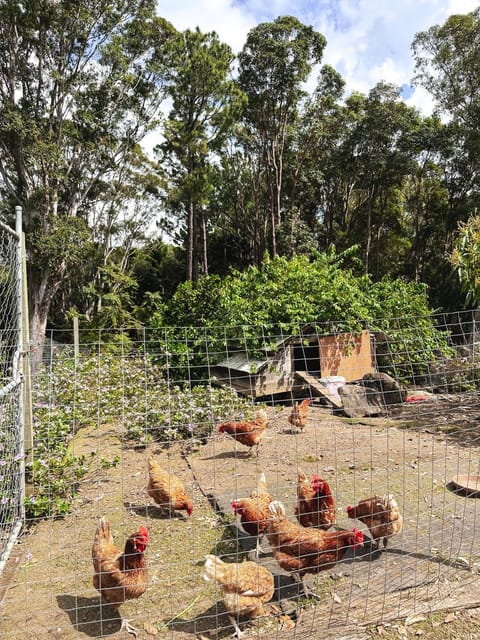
<point>301,548</point>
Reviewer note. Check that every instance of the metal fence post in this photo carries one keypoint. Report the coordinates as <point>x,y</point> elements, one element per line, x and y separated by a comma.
<point>21,351</point>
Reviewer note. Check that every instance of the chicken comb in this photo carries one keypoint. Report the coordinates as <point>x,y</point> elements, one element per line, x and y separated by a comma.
<point>317,482</point>
<point>358,534</point>
<point>142,531</point>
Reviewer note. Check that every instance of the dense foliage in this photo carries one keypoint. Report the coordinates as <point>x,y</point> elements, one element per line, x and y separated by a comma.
<point>247,161</point>
<point>214,224</point>
<point>252,309</point>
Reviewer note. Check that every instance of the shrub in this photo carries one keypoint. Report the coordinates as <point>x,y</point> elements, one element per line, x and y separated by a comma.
<point>248,311</point>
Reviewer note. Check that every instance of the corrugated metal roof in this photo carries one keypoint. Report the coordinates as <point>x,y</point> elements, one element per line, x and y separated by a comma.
<point>240,361</point>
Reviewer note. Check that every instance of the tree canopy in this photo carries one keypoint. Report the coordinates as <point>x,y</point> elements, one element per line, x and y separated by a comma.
<point>258,158</point>
<point>80,85</point>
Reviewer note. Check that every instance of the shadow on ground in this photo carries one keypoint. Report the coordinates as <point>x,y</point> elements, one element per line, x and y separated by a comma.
<point>89,616</point>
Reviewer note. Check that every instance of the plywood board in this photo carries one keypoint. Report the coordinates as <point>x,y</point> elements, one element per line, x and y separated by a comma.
<point>346,354</point>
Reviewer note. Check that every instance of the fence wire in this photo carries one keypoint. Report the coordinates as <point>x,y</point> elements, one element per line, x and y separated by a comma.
<point>11,433</point>
<point>391,413</point>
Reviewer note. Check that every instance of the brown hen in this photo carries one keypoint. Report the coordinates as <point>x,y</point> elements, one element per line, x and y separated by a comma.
<point>302,550</point>
<point>299,415</point>
<point>247,432</point>
<point>167,490</point>
<point>315,503</point>
<point>119,575</point>
<point>246,587</point>
<point>254,512</point>
<point>381,514</point>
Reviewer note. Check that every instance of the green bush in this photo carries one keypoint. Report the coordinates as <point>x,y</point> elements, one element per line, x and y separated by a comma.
<point>249,311</point>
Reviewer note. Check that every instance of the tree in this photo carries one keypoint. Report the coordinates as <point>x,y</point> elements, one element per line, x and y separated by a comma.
<point>274,64</point>
<point>234,239</point>
<point>80,85</point>
<point>205,105</point>
<point>465,257</point>
<point>250,310</point>
<point>447,63</point>
<point>379,163</point>
<point>309,161</point>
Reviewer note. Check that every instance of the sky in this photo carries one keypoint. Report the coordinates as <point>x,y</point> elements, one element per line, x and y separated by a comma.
<point>368,41</point>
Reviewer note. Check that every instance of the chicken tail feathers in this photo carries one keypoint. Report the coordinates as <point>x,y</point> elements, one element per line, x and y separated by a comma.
<point>152,464</point>
<point>301,476</point>
<point>262,484</point>
<point>213,568</point>
<point>390,502</point>
<point>103,532</point>
<point>277,509</point>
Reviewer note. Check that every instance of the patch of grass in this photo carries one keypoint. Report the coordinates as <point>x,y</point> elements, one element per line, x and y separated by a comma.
<point>413,425</point>
<point>308,459</point>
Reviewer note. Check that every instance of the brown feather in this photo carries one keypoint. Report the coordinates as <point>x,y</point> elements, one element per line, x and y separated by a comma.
<point>246,432</point>
<point>305,550</point>
<point>246,586</point>
<point>315,503</point>
<point>381,515</point>
<point>119,575</point>
<point>166,489</point>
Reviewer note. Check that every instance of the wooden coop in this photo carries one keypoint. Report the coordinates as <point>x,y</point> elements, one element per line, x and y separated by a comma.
<point>296,362</point>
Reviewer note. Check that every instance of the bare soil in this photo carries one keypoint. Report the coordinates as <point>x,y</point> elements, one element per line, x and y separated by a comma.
<point>428,574</point>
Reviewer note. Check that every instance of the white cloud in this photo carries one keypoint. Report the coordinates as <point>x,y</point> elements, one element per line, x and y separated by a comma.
<point>232,23</point>
<point>367,41</point>
<point>374,40</point>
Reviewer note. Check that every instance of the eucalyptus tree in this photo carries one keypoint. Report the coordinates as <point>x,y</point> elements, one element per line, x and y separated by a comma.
<point>425,198</point>
<point>275,62</point>
<point>235,240</point>
<point>379,163</point>
<point>80,85</point>
<point>206,102</point>
<point>448,66</point>
<point>313,144</point>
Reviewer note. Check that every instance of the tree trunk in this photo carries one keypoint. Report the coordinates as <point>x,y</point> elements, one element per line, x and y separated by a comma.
<point>273,220</point>
<point>39,305</point>
<point>204,245</point>
<point>190,240</point>
<point>41,293</point>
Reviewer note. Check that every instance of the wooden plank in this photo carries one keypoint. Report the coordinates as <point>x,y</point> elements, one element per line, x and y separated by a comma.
<point>319,388</point>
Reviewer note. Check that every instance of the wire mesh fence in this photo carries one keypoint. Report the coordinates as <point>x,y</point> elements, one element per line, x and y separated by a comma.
<point>392,410</point>
<point>11,433</point>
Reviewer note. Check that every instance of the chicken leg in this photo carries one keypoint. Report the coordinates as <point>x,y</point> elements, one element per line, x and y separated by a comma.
<point>238,632</point>
<point>128,627</point>
<point>310,593</point>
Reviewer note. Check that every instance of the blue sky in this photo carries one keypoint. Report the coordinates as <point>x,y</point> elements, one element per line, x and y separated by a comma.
<point>367,40</point>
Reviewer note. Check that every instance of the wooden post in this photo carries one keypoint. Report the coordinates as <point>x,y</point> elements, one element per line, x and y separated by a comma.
<point>76,340</point>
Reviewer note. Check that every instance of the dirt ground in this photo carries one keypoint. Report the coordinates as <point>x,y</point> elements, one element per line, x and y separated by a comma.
<point>432,566</point>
